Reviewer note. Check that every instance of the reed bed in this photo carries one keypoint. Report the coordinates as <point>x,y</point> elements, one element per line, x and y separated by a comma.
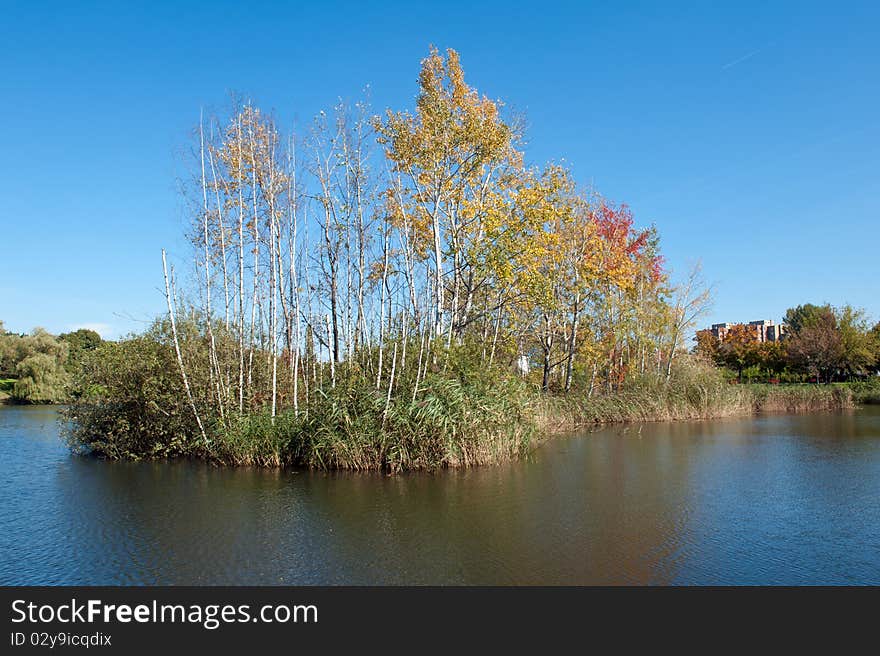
<point>467,419</point>
<point>457,424</point>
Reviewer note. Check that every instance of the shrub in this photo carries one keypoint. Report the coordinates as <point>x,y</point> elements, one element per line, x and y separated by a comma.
<point>129,402</point>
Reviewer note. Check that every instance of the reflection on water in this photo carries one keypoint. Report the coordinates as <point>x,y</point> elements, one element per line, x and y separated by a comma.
<point>767,500</point>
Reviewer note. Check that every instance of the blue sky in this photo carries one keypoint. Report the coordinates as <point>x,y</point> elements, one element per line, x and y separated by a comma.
<point>749,134</point>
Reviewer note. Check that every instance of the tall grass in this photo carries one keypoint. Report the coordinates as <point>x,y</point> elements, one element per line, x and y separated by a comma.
<point>452,423</point>
<point>695,391</point>
<point>800,398</point>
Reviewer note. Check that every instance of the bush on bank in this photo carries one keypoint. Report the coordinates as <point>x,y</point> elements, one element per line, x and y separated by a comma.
<point>128,402</point>
<point>866,392</point>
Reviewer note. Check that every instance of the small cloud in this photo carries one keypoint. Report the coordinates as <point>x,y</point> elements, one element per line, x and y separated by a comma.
<point>105,330</point>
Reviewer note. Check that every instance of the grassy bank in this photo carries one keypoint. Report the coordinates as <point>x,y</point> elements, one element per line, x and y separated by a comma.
<point>469,419</point>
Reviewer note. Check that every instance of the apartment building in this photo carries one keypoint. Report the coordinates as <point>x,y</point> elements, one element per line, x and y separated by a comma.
<point>765,330</point>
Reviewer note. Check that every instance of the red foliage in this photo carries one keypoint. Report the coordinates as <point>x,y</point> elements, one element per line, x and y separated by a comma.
<point>615,226</point>
<point>657,268</point>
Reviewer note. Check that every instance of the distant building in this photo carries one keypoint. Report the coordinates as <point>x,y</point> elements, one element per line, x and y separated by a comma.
<point>765,330</point>
<point>720,330</point>
<point>775,332</point>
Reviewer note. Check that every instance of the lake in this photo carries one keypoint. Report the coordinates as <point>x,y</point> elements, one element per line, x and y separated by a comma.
<point>758,500</point>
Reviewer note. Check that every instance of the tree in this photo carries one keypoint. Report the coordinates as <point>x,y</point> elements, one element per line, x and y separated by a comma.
<point>857,348</point>
<point>38,362</point>
<point>692,300</point>
<point>816,346</point>
<point>41,379</point>
<point>826,341</point>
<point>139,374</point>
<point>772,357</point>
<point>739,349</point>
<point>708,345</point>
<point>79,343</point>
<point>453,259</point>
<point>549,276</point>
<point>449,158</point>
<point>805,315</point>
<point>8,352</point>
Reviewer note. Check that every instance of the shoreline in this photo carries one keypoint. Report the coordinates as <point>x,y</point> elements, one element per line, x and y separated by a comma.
<point>755,402</point>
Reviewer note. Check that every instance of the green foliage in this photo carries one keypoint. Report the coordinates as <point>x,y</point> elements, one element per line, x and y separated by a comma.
<point>867,392</point>
<point>258,439</point>
<point>806,315</point>
<point>858,350</point>
<point>6,386</point>
<point>79,343</point>
<point>36,362</point>
<point>129,402</point>
<point>875,340</point>
<point>41,379</point>
<point>462,422</point>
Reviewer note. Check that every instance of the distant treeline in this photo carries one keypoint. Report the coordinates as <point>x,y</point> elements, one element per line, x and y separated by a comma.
<point>822,343</point>
<point>37,368</point>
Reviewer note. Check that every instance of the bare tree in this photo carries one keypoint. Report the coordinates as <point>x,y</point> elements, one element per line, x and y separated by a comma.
<point>692,300</point>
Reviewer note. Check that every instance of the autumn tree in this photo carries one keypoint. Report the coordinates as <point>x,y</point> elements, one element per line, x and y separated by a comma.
<point>446,163</point>
<point>319,264</point>
<point>739,348</point>
<point>772,357</point>
<point>816,346</point>
<point>708,345</point>
<point>546,277</point>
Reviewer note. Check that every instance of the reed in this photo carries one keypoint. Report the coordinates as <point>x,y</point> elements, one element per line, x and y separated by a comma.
<point>452,423</point>
<point>800,398</point>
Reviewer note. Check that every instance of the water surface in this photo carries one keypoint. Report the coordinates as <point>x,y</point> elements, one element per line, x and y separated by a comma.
<point>765,500</point>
